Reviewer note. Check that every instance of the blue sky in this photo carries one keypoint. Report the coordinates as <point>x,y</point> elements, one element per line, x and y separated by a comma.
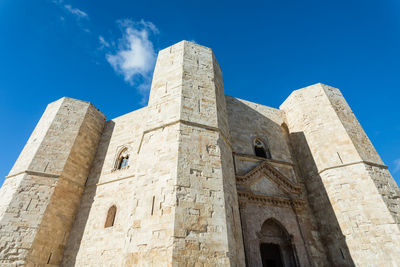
<point>266,49</point>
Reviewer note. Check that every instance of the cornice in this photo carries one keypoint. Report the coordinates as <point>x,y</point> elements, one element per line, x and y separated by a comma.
<point>246,197</point>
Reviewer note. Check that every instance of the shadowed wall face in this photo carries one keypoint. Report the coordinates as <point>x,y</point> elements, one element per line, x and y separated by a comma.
<point>249,122</point>
<point>346,180</point>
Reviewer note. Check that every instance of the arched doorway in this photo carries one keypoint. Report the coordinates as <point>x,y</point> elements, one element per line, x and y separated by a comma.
<point>276,248</point>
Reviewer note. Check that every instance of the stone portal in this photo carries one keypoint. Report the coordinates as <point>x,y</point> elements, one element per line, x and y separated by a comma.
<point>276,248</point>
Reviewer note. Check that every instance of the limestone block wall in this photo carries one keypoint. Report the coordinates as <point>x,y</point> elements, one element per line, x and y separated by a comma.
<point>193,189</point>
<point>90,242</point>
<point>247,121</point>
<point>28,153</point>
<point>207,224</point>
<point>43,190</point>
<point>144,192</point>
<point>263,121</point>
<point>384,182</point>
<point>176,201</point>
<point>348,186</point>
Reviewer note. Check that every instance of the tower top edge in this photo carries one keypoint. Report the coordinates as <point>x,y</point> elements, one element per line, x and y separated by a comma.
<point>305,89</point>
<point>183,43</point>
<point>66,98</point>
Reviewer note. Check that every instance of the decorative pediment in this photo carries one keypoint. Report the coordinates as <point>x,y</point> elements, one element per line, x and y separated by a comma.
<point>265,169</point>
<point>267,187</point>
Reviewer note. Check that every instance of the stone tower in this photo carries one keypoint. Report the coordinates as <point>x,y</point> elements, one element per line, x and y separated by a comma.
<point>41,194</point>
<point>353,195</point>
<point>198,178</point>
<point>177,201</point>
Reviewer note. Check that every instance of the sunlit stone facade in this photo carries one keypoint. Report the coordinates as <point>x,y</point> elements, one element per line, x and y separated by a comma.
<point>198,178</point>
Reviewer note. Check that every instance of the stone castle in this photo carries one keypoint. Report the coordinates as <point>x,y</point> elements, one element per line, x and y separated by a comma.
<point>201,179</point>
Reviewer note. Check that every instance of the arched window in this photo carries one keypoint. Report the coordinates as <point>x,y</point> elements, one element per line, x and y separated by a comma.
<point>110,216</point>
<point>123,162</point>
<point>261,149</point>
<point>122,159</point>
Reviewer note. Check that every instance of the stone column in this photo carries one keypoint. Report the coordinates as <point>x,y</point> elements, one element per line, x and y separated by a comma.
<point>352,193</point>
<point>39,197</point>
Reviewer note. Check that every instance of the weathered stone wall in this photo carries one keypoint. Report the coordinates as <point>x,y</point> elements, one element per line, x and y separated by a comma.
<point>247,121</point>
<point>384,182</point>
<point>207,217</point>
<point>351,192</point>
<point>43,189</point>
<point>175,200</point>
<point>191,166</point>
<point>142,231</point>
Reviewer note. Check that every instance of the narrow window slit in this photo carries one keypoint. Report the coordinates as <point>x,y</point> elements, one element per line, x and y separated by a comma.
<point>152,205</point>
<point>233,217</point>
<point>27,207</point>
<point>199,105</point>
<point>341,252</point>
<point>339,157</point>
<point>48,260</point>
<point>45,168</point>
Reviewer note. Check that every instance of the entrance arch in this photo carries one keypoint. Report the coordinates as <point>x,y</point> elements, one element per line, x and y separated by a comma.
<point>276,247</point>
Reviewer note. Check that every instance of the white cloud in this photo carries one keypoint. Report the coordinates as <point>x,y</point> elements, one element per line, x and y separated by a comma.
<point>134,56</point>
<point>103,42</point>
<point>76,12</point>
<point>149,25</point>
<point>396,165</point>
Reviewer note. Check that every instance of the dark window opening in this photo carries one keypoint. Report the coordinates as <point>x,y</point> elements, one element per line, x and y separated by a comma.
<point>271,255</point>
<point>261,150</point>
